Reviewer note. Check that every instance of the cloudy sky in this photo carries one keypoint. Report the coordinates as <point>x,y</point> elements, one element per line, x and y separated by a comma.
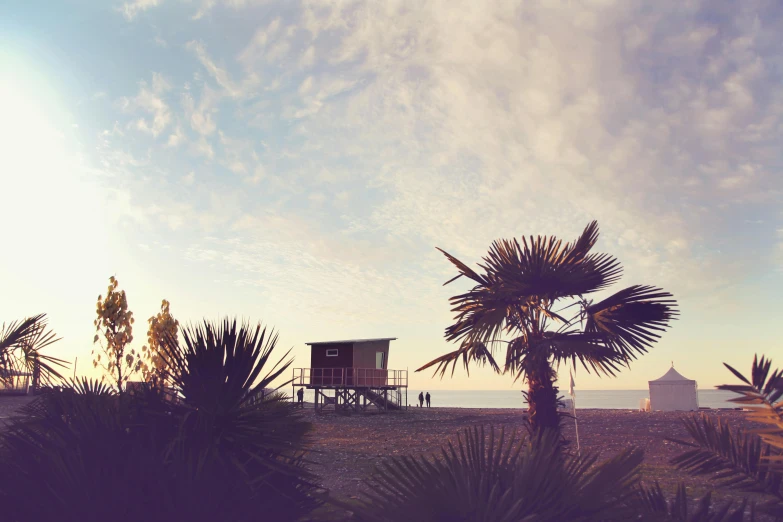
<point>297,162</point>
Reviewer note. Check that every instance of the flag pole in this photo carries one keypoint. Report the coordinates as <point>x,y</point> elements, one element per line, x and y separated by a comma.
<point>576,422</point>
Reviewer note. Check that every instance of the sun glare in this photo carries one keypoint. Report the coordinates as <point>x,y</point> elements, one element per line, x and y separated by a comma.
<point>51,209</point>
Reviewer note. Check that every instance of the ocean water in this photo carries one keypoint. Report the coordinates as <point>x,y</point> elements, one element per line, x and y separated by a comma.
<point>600,399</point>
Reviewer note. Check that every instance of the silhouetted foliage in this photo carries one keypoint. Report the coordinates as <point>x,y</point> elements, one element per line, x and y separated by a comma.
<point>21,343</point>
<point>515,297</point>
<point>161,327</point>
<point>745,461</point>
<point>84,452</point>
<point>651,505</point>
<point>498,478</point>
<point>517,478</point>
<point>114,327</point>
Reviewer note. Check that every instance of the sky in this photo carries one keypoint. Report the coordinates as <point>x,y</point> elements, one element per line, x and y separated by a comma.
<point>298,162</point>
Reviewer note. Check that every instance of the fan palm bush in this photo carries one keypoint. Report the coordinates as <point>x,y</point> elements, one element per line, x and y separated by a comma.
<point>746,461</point>
<point>496,478</point>
<point>245,456</point>
<point>517,301</point>
<point>501,478</point>
<point>651,505</point>
<point>21,343</point>
<point>88,453</point>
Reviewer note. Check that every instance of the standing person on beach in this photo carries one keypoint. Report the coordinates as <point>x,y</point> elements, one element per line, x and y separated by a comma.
<point>428,399</point>
<point>300,396</point>
<point>421,399</point>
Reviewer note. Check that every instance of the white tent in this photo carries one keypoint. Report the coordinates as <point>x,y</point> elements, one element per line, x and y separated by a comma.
<point>673,392</point>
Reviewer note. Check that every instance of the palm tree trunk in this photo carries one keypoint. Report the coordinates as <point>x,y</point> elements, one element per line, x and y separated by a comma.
<point>542,398</point>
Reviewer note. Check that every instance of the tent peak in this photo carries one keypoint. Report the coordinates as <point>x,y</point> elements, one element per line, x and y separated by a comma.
<point>672,375</point>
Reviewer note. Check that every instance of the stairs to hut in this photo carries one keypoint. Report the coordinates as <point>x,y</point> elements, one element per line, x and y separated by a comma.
<point>382,403</point>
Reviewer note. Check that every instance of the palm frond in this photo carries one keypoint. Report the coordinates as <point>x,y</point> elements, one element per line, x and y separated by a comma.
<point>216,370</point>
<point>733,460</point>
<point>500,477</point>
<point>590,349</point>
<point>651,505</point>
<point>520,276</point>
<point>546,268</point>
<point>13,334</point>
<point>468,352</point>
<point>632,319</point>
<point>762,395</point>
<point>21,343</point>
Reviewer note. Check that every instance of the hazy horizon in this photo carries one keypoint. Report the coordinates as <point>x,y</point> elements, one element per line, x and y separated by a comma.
<point>298,163</point>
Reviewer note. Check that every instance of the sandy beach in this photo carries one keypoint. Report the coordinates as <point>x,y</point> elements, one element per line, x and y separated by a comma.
<point>346,448</point>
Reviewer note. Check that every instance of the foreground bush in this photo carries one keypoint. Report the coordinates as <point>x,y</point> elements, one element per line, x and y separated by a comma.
<point>498,478</point>
<point>518,479</point>
<point>88,453</point>
<point>743,461</point>
<point>495,478</point>
<point>21,343</point>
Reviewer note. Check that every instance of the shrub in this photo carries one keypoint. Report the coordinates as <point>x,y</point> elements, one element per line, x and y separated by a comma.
<point>88,453</point>
<point>501,478</point>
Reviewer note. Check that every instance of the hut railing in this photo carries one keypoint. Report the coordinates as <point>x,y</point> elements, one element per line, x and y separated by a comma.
<point>350,377</point>
<point>14,384</point>
<point>319,376</point>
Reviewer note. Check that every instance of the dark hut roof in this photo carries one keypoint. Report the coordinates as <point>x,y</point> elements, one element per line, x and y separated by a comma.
<point>352,341</point>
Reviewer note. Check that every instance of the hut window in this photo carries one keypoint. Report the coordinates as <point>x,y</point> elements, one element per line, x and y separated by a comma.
<point>332,352</point>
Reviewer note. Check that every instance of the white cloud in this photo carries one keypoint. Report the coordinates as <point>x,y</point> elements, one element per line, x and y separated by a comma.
<point>150,100</point>
<point>200,115</point>
<point>237,167</point>
<point>203,148</point>
<point>317,198</point>
<point>306,85</point>
<point>220,75</point>
<point>131,9</point>
<point>254,50</point>
<point>308,57</point>
<point>259,173</point>
<point>205,6</point>
<point>454,124</point>
<point>176,138</point>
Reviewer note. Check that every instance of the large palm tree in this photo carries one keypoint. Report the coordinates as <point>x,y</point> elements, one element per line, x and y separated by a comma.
<point>514,301</point>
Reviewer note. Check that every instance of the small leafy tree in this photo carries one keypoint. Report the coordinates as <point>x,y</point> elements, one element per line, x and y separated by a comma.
<point>115,325</point>
<point>163,328</point>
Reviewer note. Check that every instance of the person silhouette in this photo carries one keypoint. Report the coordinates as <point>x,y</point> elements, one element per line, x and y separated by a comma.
<point>428,399</point>
<point>300,396</point>
<point>421,399</point>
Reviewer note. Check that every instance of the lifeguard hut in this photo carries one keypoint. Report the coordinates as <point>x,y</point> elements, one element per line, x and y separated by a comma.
<point>353,375</point>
